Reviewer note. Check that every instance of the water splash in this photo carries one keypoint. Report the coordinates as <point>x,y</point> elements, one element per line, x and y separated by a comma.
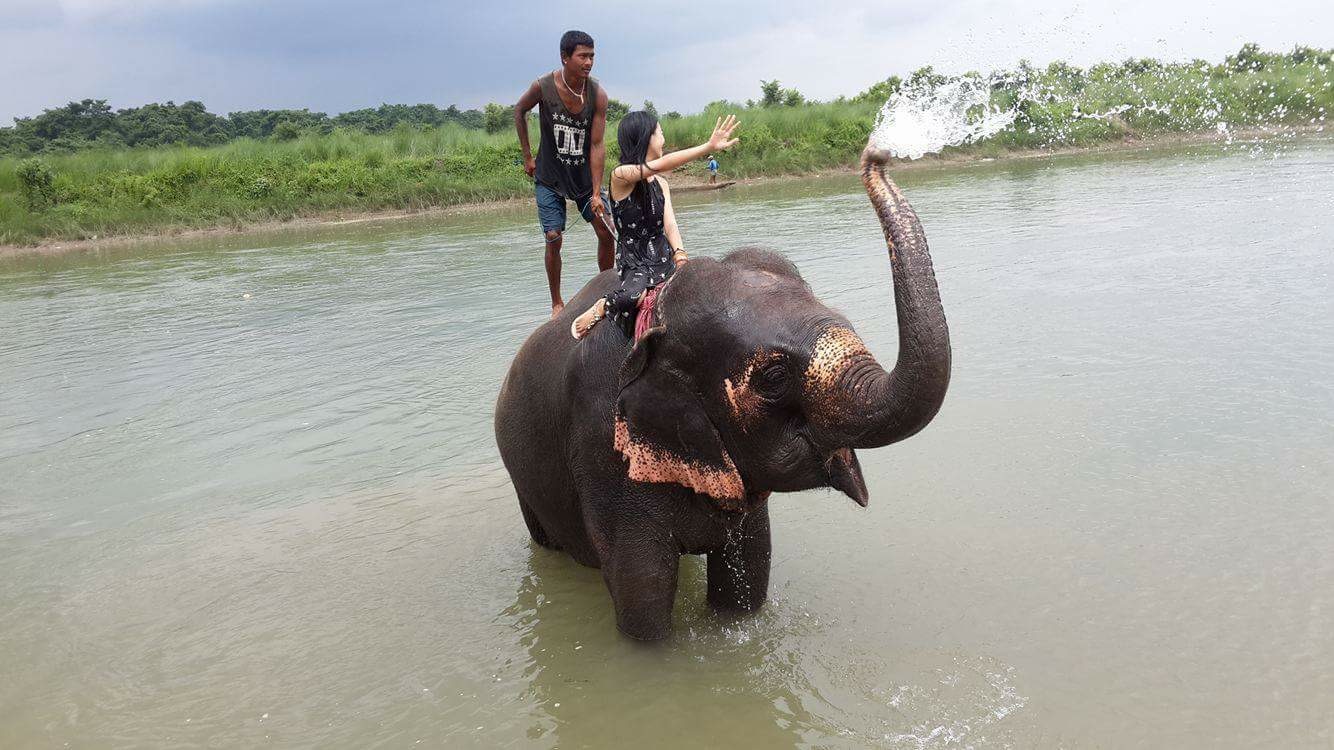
<point>925,117</point>
<point>1270,101</point>
<point>922,119</point>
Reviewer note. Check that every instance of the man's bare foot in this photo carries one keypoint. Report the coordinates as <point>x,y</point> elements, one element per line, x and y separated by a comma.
<point>584,323</point>
<point>556,308</point>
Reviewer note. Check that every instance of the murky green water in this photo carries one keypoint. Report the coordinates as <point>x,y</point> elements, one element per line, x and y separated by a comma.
<point>281,520</point>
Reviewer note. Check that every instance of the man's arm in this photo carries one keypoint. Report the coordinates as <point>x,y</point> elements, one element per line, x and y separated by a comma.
<point>597,152</point>
<point>526,103</point>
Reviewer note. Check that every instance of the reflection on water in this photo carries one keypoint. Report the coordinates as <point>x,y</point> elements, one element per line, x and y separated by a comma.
<point>280,517</point>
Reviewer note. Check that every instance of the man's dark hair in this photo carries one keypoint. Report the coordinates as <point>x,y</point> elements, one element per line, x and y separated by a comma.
<point>571,39</point>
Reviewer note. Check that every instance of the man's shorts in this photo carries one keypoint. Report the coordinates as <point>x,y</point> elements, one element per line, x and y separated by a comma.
<point>551,207</point>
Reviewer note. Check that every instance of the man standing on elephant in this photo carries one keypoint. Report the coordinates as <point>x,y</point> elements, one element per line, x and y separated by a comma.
<point>572,111</point>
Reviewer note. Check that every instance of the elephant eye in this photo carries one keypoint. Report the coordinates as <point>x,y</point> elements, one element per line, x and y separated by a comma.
<point>772,378</point>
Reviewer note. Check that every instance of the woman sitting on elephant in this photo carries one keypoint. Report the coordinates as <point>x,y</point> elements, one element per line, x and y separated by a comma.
<point>648,245</point>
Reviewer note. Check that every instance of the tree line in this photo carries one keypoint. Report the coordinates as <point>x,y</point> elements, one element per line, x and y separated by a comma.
<point>92,123</point>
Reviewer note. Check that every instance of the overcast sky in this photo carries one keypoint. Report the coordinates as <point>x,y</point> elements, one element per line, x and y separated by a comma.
<point>336,55</point>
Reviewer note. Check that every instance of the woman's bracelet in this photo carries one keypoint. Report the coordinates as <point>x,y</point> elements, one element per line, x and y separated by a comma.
<point>680,251</point>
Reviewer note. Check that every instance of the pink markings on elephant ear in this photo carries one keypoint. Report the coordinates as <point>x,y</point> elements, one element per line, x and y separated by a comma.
<point>834,352</point>
<point>649,463</point>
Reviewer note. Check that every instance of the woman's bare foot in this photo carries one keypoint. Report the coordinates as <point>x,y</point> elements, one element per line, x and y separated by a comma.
<point>556,308</point>
<point>584,323</point>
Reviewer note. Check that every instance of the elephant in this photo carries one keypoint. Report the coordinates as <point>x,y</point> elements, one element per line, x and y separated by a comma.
<point>628,454</point>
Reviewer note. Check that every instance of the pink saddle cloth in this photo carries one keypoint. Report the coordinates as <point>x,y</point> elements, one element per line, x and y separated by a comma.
<point>644,320</point>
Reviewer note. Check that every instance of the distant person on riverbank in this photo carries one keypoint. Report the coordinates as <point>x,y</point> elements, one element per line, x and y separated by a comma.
<point>649,247</point>
<point>572,113</point>
<point>713,169</point>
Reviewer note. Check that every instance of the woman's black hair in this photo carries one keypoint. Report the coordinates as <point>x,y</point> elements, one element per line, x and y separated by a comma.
<point>633,136</point>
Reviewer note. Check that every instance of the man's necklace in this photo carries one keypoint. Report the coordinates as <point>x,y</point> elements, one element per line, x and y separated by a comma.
<point>561,73</point>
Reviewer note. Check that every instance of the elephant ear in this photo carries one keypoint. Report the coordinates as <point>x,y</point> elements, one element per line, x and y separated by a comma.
<point>664,434</point>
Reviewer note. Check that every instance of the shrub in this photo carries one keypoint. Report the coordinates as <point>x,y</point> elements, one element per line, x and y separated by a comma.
<point>286,131</point>
<point>848,136</point>
<point>38,183</point>
<point>261,187</point>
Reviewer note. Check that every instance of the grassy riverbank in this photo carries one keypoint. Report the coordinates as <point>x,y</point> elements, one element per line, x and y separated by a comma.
<point>136,191</point>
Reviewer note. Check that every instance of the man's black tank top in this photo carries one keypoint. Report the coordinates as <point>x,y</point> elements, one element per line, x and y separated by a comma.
<point>562,157</point>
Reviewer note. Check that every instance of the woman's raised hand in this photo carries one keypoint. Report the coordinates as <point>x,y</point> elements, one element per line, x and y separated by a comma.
<point>722,139</point>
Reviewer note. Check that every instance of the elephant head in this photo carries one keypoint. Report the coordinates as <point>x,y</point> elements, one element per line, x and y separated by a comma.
<point>748,384</point>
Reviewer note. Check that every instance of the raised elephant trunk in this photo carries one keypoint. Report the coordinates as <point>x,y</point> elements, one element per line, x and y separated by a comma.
<point>872,407</point>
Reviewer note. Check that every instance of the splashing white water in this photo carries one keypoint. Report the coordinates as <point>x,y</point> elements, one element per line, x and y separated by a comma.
<point>1030,108</point>
<point>920,120</point>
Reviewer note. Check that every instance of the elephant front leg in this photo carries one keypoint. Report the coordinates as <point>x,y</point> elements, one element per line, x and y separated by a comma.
<point>535,529</point>
<point>739,572</point>
<point>642,580</point>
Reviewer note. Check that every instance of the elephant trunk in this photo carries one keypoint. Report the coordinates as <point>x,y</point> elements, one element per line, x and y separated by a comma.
<point>873,407</point>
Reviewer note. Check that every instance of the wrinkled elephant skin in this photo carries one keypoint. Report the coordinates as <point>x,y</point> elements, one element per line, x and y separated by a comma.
<point>627,457</point>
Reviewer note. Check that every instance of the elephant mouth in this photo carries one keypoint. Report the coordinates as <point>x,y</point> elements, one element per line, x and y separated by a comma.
<point>845,475</point>
<point>840,467</point>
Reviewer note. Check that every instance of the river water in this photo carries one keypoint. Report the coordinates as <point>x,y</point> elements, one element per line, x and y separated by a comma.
<point>250,494</point>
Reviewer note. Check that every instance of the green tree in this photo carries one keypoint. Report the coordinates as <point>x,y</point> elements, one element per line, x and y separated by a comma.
<point>649,108</point>
<point>468,118</point>
<point>927,77</point>
<point>1248,58</point>
<point>879,92</point>
<point>1142,65</point>
<point>84,120</point>
<point>260,123</point>
<point>616,110</point>
<point>793,98</point>
<point>771,93</point>
<point>498,117</point>
<point>1301,55</point>
<point>1067,75</point>
<point>386,117</point>
<point>166,124</point>
<point>1103,72</point>
<point>286,131</point>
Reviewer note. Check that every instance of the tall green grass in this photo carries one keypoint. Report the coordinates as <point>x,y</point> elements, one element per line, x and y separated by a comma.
<point>782,140</point>
<point>103,193</point>
<point>110,192</point>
